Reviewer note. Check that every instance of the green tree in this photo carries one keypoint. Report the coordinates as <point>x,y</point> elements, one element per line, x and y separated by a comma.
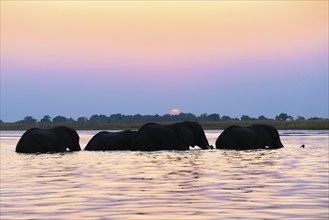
<point>290,118</point>
<point>212,117</point>
<point>185,117</point>
<point>27,120</point>
<point>226,118</point>
<point>82,120</point>
<point>300,118</point>
<point>45,119</point>
<point>281,117</point>
<point>60,120</point>
<point>98,119</point>
<point>245,118</point>
<point>119,117</point>
<point>203,117</point>
<point>71,120</point>
<point>262,117</point>
<point>315,118</point>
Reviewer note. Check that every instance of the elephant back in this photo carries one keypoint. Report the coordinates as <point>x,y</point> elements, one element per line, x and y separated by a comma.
<point>105,140</point>
<point>153,136</point>
<point>25,142</point>
<point>252,137</point>
<point>56,139</point>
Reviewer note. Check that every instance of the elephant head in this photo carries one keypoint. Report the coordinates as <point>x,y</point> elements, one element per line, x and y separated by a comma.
<point>271,137</point>
<point>69,136</point>
<point>200,138</point>
<point>192,134</point>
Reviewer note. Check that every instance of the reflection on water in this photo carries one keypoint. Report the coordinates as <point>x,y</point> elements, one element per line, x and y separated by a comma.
<point>258,184</point>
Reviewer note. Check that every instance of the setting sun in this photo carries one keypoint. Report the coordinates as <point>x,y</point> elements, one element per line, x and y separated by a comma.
<point>175,111</point>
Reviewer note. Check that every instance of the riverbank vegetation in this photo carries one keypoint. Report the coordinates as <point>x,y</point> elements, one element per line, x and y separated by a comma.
<point>133,122</point>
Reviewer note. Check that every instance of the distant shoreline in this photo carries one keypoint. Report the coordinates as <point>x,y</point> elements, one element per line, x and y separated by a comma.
<point>218,125</point>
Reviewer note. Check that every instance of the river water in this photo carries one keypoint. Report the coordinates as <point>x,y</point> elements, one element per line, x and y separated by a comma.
<point>291,182</point>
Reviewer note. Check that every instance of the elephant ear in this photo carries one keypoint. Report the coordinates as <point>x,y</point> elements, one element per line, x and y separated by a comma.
<point>198,129</point>
<point>74,134</point>
<point>195,127</point>
<point>181,134</point>
<point>64,131</point>
<point>272,131</point>
<point>274,134</point>
<point>199,135</point>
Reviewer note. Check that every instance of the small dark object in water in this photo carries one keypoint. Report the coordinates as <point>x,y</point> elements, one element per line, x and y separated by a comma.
<point>303,146</point>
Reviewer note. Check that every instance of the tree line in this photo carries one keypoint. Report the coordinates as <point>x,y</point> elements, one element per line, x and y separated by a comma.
<point>138,118</point>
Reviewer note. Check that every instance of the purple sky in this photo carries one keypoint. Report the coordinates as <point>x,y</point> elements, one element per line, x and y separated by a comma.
<point>251,58</point>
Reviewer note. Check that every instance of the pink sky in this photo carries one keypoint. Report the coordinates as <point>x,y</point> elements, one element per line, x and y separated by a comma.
<point>167,47</point>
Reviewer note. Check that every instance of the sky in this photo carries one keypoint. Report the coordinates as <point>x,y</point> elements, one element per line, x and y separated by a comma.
<point>80,58</point>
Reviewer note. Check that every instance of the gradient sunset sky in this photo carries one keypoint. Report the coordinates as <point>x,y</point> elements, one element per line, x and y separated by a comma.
<point>79,58</point>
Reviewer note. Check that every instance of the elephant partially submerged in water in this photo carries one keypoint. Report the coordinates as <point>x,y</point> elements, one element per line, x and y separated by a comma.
<point>105,140</point>
<point>253,137</point>
<point>177,136</point>
<point>56,139</point>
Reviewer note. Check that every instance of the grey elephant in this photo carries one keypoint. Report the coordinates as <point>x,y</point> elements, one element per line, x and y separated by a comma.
<point>252,137</point>
<point>105,140</point>
<point>177,136</point>
<point>56,139</point>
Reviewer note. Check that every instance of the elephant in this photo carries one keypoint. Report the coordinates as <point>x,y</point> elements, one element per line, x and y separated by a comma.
<point>252,137</point>
<point>57,139</point>
<point>177,136</point>
<point>105,140</point>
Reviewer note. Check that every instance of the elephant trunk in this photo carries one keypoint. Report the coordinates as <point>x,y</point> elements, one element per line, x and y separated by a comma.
<point>75,148</point>
<point>280,145</point>
<point>205,144</point>
<point>206,147</point>
<point>276,145</point>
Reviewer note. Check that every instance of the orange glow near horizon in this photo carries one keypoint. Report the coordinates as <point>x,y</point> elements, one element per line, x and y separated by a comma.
<point>195,55</point>
<point>158,34</point>
<point>175,111</point>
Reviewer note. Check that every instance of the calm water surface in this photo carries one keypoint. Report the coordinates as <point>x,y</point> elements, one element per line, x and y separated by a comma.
<point>278,184</point>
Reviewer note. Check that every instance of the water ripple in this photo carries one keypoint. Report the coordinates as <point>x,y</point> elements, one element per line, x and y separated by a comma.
<point>258,184</point>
